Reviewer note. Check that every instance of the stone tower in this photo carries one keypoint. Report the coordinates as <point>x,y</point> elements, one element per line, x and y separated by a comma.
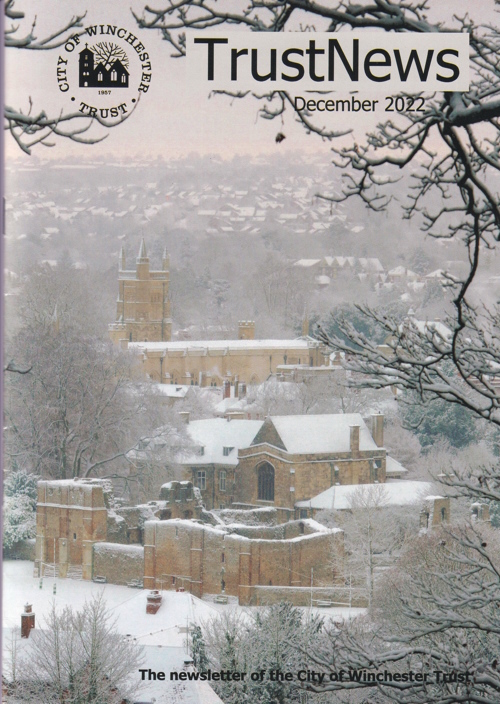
<point>143,303</point>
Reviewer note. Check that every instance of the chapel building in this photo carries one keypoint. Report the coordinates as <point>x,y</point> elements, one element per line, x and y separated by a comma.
<point>143,325</point>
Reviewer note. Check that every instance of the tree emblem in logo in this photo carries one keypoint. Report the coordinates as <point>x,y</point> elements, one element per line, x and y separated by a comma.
<point>103,65</point>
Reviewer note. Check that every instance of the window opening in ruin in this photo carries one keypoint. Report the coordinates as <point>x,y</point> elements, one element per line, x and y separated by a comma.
<point>266,482</point>
<point>74,536</point>
<point>176,532</point>
<point>173,580</point>
<point>222,558</point>
<point>443,514</point>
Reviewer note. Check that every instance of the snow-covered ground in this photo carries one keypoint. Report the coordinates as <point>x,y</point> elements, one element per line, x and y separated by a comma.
<point>162,634</point>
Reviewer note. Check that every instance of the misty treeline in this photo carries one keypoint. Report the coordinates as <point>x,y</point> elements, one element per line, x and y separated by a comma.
<point>232,255</point>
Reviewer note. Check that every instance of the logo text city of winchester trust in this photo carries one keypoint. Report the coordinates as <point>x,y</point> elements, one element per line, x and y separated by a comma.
<point>104,70</point>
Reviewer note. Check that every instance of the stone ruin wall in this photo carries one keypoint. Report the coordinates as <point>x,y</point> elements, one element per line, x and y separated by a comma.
<point>206,560</point>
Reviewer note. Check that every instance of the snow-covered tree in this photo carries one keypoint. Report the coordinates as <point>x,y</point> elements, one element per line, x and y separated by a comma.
<point>19,510</point>
<point>78,656</point>
<point>262,641</point>
<point>374,533</point>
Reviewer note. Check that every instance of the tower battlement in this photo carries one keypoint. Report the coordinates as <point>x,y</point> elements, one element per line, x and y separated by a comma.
<point>143,304</point>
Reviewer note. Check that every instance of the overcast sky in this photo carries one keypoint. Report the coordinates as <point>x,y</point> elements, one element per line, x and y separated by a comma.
<point>172,119</point>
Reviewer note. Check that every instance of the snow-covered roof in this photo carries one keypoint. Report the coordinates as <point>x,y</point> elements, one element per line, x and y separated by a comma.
<point>400,493</point>
<point>307,262</point>
<point>371,264</point>
<point>162,635</point>
<point>297,344</point>
<point>311,434</point>
<point>214,434</point>
<point>392,466</point>
<point>172,390</point>
<point>397,271</point>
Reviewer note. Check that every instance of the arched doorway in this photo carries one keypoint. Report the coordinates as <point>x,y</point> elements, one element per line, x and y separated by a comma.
<point>265,482</point>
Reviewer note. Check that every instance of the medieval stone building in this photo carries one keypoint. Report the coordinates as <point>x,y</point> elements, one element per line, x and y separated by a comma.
<point>175,543</point>
<point>212,465</point>
<point>143,304</point>
<point>211,362</point>
<point>296,457</point>
<point>243,561</point>
<point>284,459</point>
<point>143,325</point>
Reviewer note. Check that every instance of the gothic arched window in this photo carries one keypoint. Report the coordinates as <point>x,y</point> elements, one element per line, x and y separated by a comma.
<point>266,482</point>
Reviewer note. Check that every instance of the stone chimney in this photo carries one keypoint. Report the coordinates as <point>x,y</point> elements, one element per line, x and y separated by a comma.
<point>354,440</point>
<point>154,600</point>
<point>27,621</point>
<point>242,389</point>
<point>246,330</point>
<point>185,416</point>
<point>235,415</point>
<point>226,389</point>
<point>378,429</point>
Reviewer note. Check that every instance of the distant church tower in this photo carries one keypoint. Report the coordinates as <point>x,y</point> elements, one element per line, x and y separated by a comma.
<point>143,304</point>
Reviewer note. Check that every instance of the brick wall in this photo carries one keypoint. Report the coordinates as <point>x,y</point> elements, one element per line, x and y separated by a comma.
<point>120,564</point>
<point>204,559</point>
<point>71,517</point>
<point>308,475</point>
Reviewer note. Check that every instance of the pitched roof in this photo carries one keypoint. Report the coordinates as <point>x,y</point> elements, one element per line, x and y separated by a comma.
<point>213,434</point>
<point>315,433</point>
<point>396,493</point>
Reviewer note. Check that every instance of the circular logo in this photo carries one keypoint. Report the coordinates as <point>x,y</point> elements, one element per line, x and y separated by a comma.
<point>104,71</point>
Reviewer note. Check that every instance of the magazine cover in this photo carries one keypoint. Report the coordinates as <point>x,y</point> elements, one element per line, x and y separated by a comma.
<point>251,352</point>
